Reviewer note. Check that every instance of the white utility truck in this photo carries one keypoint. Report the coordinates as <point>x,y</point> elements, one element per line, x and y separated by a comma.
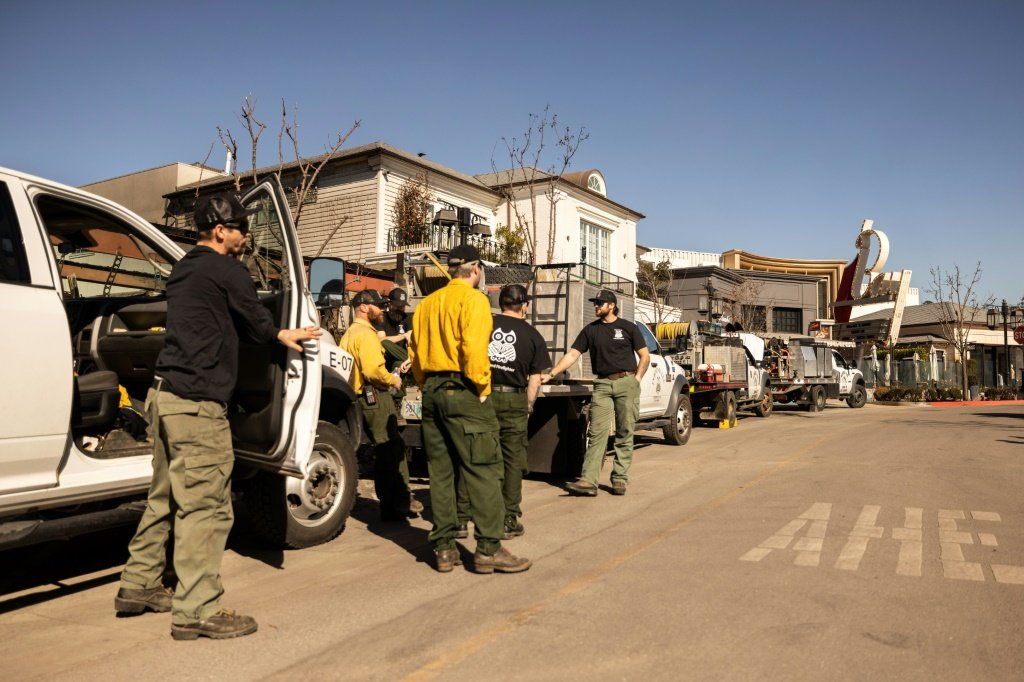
<point>83,307</point>
<point>808,371</point>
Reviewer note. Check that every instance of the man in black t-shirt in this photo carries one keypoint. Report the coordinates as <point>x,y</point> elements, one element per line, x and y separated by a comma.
<point>518,356</point>
<point>397,324</point>
<point>614,345</point>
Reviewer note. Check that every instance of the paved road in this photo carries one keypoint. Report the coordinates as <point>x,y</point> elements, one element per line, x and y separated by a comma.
<point>853,544</point>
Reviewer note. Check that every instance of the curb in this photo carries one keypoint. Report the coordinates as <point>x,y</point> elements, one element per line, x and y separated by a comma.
<point>975,403</point>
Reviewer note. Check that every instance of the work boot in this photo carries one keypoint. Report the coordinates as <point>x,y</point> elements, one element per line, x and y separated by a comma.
<point>224,624</point>
<point>618,487</point>
<point>513,528</point>
<point>447,559</point>
<point>582,487</point>
<point>415,506</point>
<point>157,599</point>
<point>462,531</point>
<point>502,562</point>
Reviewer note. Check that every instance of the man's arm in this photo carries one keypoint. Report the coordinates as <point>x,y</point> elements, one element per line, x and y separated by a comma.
<point>567,361</point>
<point>532,389</point>
<point>476,334</point>
<point>641,365</point>
<point>257,322</point>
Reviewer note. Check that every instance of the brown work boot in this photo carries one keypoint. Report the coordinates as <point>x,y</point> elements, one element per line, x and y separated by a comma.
<point>415,506</point>
<point>618,487</point>
<point>224,624</point>
<point>462,531</point>
<point>582,487</point>
<point>157,599</point>
<point>447,559</point>
<point>513,528</point>
<point>502,562</point>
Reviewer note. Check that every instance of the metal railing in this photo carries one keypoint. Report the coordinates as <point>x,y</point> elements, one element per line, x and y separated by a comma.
<point>445,238</point>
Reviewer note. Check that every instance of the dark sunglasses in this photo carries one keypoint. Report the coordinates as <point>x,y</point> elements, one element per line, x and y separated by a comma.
<point>241,225</point>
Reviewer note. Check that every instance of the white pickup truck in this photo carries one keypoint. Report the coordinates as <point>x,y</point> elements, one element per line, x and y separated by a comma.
<point>83,308</point>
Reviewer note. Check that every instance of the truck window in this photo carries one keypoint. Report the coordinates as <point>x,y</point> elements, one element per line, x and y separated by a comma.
<point>265,253</point>
<point>13,262</point>
<point>652,343</point>
<point>99,256</point>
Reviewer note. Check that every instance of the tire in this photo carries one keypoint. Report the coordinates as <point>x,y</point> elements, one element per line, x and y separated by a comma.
<point>679,429</point>
<point>765,407</point>
<point>817,399</point>
<point>858,397</point>
<point>296,513</point>
<point>730,408</point>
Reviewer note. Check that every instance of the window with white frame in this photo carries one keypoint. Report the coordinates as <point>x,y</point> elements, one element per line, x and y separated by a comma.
<point>594,245</point>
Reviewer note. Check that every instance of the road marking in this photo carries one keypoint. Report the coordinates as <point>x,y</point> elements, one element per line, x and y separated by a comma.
<point>808,548</point>
<point>911,545</point>
<point>865,529</point>
<point>805,535</point>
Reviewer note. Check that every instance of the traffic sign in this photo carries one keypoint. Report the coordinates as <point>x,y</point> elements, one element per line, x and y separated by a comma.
<point>1018,334</point>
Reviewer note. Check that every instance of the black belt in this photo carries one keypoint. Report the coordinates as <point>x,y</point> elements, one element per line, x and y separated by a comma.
<point>501,388</point>
<point>444,375</point>
<point>613,376</point>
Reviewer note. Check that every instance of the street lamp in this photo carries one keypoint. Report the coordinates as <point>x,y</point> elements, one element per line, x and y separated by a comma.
<point>1010,316</point>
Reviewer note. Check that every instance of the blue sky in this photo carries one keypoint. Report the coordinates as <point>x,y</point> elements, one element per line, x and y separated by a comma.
<point>773,127</point>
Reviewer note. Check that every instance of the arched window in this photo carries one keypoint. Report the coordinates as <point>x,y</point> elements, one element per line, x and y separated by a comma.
<point>596,183</point>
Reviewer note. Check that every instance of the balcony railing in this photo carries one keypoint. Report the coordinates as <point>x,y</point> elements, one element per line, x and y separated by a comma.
<point>445,238</point>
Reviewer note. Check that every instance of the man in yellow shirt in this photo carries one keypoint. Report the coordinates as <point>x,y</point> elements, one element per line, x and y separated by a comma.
<point>450,333</point>
<point>371,381</point>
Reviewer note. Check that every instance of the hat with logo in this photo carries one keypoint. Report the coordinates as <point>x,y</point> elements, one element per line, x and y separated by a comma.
<point>462,254</point>
<point>604,296</point>
<point>398,296</point>
<point>369,297</point>
<point>223,208</point>
<point>513,294</point>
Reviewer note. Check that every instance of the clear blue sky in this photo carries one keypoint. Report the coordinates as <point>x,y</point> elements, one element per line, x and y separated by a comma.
<point>774,127</point>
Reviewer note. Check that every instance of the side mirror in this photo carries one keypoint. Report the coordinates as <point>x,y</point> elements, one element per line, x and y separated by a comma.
<point>327,281</point>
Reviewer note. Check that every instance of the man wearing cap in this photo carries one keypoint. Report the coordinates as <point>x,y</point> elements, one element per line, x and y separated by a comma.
<point>371,380</point>
<point>614,345</point>
<point>211,302</point>
<point>518,355</point>
<point>451,330</point>
<point>396,324</point>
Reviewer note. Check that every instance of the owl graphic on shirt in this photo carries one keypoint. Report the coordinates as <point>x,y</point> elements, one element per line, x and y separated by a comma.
<point>502,348</point>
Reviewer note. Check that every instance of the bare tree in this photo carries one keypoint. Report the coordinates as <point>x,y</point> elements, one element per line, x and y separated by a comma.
<point>308,168</point>
<point>525,157</point>
<point>748,308</point>
<point>961,308</point>
<point>652,285</point>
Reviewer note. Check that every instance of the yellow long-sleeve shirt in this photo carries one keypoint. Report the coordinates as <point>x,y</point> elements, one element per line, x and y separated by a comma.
<point>450,332</point>
<point>360,339</point>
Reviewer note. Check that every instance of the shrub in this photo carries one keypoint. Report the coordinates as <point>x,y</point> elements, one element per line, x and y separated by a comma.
<point>882,393</point>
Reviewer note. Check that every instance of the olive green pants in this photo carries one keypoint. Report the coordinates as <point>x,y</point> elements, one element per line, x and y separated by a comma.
<point>390,470</point>
<point>189,496</point>
<point>460,437</point>
<point>513,414</point>
<point>617,399</point>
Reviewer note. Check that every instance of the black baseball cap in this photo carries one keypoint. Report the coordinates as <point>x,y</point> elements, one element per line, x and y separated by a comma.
<point>462,254</point>
<point>604,296</point>
<point>369,297</point>
<point>513,294</point>
<point>223,208</point>
<point>398,296</point>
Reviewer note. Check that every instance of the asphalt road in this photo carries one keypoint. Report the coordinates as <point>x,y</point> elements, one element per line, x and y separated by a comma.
<point>879,543</point>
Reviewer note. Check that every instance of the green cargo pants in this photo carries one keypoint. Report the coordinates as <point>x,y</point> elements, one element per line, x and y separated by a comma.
<point>190,495</point>
<point>513,414</point>
<point>618,399</point>
<point>460,437</point>
<point>390,470</point>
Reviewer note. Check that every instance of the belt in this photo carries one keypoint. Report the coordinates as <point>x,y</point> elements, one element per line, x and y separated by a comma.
<point>444,375</point>
<point>613,376</point>
<point>501,388</point>
<point>158,383</point>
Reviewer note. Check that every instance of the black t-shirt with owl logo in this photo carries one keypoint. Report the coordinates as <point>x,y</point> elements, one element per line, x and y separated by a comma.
<point>611,345</point>
<point>517,350</point>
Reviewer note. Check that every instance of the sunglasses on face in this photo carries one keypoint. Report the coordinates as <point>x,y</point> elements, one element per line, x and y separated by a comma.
<point>240,225</point>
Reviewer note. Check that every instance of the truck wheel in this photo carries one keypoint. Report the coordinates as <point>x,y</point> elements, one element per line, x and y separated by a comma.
<point>678,430</point>
<point>818,397</point>
<point>765,407</point>
<point>858,396</point>
<point>730,408</point>
<point>296,513</point>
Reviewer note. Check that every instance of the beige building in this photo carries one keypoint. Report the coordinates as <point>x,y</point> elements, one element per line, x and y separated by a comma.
<point>143,191</point>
